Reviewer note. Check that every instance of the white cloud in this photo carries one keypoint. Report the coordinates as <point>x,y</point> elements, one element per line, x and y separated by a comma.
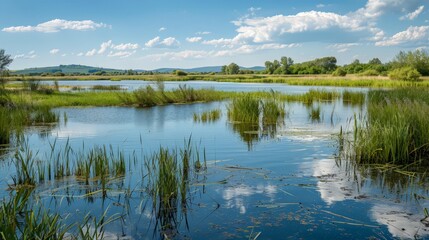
<point>54,51</point>
<point>156,42</point>
<point>80,54</point>
<point>376,8</point>
<point>194,39</point>
<point>29,55</point>
<point>125,46</point>
<point>57,25</point>
<point>343,47</point>
<point>413,35</point>
<point>162,29</point>
<point>193,54</point>
<point>121,54</point>
<point>91,53</point>
<point>202,33</point>
<point>320,5</point>
<point>104,46</point>
<point>414,14</point>
<point>63,55</point>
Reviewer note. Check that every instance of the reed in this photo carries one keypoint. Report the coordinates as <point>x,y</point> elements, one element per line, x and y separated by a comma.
<point>208,116</point>
<point>244,109</point>
<point>106,87</point>
<point>315,114</point>
<point>353,98</point>
<point>395,130</point>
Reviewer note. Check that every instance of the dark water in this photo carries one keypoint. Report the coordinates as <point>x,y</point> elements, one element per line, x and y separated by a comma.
<point>275,184</point>
<point>130,85</point>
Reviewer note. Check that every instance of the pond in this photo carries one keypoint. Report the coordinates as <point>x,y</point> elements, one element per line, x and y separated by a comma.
<point>268,182</point>
<point>131,85</point>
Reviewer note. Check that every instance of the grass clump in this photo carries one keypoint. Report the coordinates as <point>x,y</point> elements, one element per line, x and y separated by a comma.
<point>355,98</point>
<point>208,116</point>
<point>245,109</point>
<point>395,129</point>
<point>106,87</point>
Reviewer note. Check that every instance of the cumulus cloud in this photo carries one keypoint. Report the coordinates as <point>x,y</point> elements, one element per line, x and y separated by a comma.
<point>413,35</point>
<point>194,39</point>
<point>162,29</point>
<point>157,42</point>
<point>80,54</point>
<point>116,50</point>
<point>57,25</point>
<point>91,53</point>
<point>54,51</point>
<point>412,15</point>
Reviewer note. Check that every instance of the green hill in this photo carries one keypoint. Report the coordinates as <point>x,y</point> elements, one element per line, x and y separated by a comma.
<point>66,69</point>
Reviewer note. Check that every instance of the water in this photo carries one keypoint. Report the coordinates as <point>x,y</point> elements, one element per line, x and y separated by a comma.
<point>282,184</point>
<point>130,85</point>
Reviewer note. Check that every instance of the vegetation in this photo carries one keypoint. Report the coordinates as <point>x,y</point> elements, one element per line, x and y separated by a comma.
<point>208,116</point>
<point>232,68</point>
<point>405,73</point>
<point>395,129</point>
<point>418,60</point>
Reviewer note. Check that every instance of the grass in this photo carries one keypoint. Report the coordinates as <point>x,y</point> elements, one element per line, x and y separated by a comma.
<point>315,114</point>
<point>208,116</point>
<point>106,87</point>
<point>354,98</point>
<point>245,109</point>
<point>395,129</point>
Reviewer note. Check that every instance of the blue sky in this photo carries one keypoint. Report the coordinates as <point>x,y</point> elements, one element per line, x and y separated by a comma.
<point>141,34</point>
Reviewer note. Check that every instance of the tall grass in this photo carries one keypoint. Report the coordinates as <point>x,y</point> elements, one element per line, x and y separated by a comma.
<point>354,98</point>
<point>208,116</point>
<point>245,109</point>
<point>395,129</point>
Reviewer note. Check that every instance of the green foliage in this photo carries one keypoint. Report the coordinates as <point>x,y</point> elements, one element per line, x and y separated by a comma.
<point>232,68</point>
<point>181,73</point>
<point>370,72</point>
<point>339,72</point>
<point>418,60</point>
<point>244,109</point>
<point>405,74</point>
<point>318,66</point>
<point>208,116</point>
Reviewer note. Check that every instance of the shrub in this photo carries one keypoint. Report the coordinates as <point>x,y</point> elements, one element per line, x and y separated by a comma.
<point>370,72</point>
<point>339,72</point>
<point>181,73</point>
<point>405,74</point>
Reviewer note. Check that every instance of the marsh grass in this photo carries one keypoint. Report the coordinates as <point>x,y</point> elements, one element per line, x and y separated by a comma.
<point>106,87</point>
<point>353,98</point>
<point>169,173</point>
<point>245,109</point>
<point>149,96</point>
<point>208,116</point>
<point>315,114</point>
<point>395,129</point>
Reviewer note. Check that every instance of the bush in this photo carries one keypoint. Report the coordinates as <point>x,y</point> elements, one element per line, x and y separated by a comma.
<point>405,74</point>
<point>181,73</point>
<point>339,72</point>
<point>370,72</point>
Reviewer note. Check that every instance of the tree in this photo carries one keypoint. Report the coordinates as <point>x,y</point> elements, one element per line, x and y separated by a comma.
<point>375,61</point>
<point>418,59</point>
<point>5,60</point>
<point>286,62</point>
<point>269,67</point>
<point>233,68</point>
<point>224,69</point>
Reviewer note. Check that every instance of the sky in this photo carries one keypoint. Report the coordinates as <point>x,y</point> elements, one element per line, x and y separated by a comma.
<point>151,34</point>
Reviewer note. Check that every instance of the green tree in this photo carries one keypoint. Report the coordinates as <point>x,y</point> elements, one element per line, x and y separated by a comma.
<point>375,61</point>
<point>269,67</point>
<point>418,59</point>
<point>5,60</point>
<point>286,63</point>
<point>233,68</point>
<point>224,69</point>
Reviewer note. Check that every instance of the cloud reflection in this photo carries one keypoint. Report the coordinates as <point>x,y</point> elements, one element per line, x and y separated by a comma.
<point>235,196</point>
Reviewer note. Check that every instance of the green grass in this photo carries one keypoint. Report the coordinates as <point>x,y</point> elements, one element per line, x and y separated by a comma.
<point>354,98</point>
<point>245,109</point>
<point>208,116</point>
<point>106,87</point>
<point>315,114</point>
<point>395,130</point>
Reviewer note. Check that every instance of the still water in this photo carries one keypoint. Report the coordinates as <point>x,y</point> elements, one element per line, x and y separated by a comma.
<point>131,85</point>
<point>267,183</point>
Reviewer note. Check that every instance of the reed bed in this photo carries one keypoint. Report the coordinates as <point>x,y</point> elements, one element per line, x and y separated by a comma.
<point>353,98</point>
<point>106,87</point>
<point>395,129</point>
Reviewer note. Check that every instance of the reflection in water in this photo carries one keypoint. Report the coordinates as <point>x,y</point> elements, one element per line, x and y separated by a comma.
<point>401,223</point>
<point>251,133</point>
<point>235,196</point>
<point>341,180</point>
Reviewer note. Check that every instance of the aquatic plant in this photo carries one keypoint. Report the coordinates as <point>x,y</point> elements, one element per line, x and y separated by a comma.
<point>395,129</point>
<point>245,109</point>
<point>207,116</point>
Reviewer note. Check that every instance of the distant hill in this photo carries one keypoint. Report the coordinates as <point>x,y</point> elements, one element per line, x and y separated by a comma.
<point>73,68</point>
<point>82,69</point>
